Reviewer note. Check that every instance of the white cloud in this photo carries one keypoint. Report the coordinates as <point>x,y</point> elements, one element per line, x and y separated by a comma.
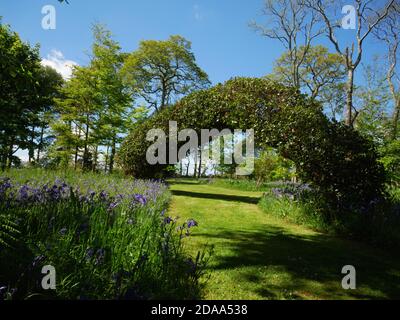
<point>57,61</point>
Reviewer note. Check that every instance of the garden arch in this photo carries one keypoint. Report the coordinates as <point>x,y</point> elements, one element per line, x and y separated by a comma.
<point>334,158</point>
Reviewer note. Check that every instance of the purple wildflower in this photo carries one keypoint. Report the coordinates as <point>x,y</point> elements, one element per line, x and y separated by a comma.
<point>140,199</point>
<point>167,220</point>
<point>100,254</point>
<point>192,223</point>
<point>112,206</point>
<point>89,253</point>
<point>103,195</point>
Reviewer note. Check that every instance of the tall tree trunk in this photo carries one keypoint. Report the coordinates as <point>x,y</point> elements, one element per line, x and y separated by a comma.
<point>349,98</point>
<point>85,161</point>
<point>187,166</point>
<point>40,146</point>
<point>395,119</point>
<point>200,159</point>
<point>10,154</point>
<point>163,94</point>
<point>396,101</point>
<point>3,156</point>
<point>106,159</point>
<point>96,150</point>
<point>76,157</point>
<point>31,149</point>
<point>195,165</point>
<point>112,155</point>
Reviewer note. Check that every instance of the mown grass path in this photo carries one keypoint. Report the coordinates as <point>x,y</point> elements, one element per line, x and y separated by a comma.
<point>258,256</point>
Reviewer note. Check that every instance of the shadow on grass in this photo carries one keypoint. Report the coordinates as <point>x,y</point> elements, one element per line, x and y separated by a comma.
<point>215,196</point>
<point>305,266</point>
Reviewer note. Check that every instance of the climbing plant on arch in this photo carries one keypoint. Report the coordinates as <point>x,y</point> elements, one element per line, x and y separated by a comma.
<point>334,158</point>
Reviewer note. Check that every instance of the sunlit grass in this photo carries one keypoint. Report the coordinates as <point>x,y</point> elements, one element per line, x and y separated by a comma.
<point>258,255</point>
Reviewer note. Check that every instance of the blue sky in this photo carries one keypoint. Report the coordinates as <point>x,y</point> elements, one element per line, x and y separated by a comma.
<point>223,43</point>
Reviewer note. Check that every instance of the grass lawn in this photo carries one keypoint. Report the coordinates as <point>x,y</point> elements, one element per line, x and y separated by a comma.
<point>258,256</point>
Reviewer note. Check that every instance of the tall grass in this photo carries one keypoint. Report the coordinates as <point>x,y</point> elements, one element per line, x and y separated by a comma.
<point>106,237</point>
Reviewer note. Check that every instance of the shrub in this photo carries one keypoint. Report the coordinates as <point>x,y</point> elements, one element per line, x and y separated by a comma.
<point>390,158</point>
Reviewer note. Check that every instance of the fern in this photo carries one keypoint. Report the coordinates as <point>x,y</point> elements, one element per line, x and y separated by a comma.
<point>8,231</point>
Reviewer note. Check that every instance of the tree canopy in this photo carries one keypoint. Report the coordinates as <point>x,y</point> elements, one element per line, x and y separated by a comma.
<point>26,91</point>
<point>162,71</point>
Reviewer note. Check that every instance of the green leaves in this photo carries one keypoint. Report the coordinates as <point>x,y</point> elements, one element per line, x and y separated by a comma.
<point>8,231</point>
<point>26,90</point>
<point>161,71</point>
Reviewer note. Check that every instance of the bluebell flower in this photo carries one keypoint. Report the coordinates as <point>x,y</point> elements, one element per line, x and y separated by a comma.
<point>103,195</point>
<point>100,254</point>
<point>167,220</point>
<point>89,253</point>
<point>192,223</point>
<point>23,193</point>
<point>63,231</point>
<point>140,199</point>
<point>112,206</point>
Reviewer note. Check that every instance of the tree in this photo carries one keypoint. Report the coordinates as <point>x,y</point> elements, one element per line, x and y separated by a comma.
<point>373,98</point>
<point>50,85</point>
<point>97,107</point>
<point>162,71</point>
<point>319,73</point>
<point>389,33</point>
<point>291,23</point>
<point>116,99</point>
<point>26,90</point>
<point>369,15</point>
<point>79,112</point>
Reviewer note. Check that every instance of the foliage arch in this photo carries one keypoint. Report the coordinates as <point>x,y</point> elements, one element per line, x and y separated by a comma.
<point>334,158</point>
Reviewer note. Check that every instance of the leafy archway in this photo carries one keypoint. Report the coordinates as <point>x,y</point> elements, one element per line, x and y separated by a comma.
<point>334,158</point>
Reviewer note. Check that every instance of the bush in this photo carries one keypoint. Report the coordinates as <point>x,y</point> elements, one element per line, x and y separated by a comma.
<point>106,238</point>
<point>390,158</point>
